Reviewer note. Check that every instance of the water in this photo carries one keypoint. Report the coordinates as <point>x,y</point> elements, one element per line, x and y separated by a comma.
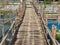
<point>55,22</point>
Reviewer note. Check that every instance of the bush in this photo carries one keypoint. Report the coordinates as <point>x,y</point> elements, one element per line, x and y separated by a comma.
<point>58,36</point>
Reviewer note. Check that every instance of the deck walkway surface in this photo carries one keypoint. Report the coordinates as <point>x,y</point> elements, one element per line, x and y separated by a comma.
<point>30,31</point>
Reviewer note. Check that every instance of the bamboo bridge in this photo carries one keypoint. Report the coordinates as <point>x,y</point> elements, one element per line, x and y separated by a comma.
<point>29,28</point>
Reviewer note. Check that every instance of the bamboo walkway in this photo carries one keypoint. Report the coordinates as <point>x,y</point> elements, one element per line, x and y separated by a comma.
<point>30,31</point>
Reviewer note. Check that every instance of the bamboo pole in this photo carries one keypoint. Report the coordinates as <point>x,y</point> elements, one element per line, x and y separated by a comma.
<point>59,13</point>
<point>54,33</point>
<point>11,13</point>
<point>10,16</point>
<point>3,33</point>
<point>2,16</point>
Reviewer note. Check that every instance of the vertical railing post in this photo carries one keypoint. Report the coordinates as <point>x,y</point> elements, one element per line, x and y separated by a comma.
<point>46,20</point>
<point>59,13</point>
<point>42,10</point>
<point>2,16</point>
<point>3,33</point>
<point>10,16</point>
<point>16,19</point>
<point>54,33</point>
<point>21,5</point>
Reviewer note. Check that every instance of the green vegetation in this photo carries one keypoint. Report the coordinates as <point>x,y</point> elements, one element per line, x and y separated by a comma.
<point>4,12</point>
<point>46,2</point>
<point>58,36</point>
<point>6,16</point>
<point>59,2</point>
<point>8,23</point>
<point>1,6</point>
<point>57,30</point>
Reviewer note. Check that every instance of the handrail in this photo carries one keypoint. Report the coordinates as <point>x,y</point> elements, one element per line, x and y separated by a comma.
<point>4,38</point>
<point>12,25</point>
<point>43,28</point>
<point>49,32</point>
